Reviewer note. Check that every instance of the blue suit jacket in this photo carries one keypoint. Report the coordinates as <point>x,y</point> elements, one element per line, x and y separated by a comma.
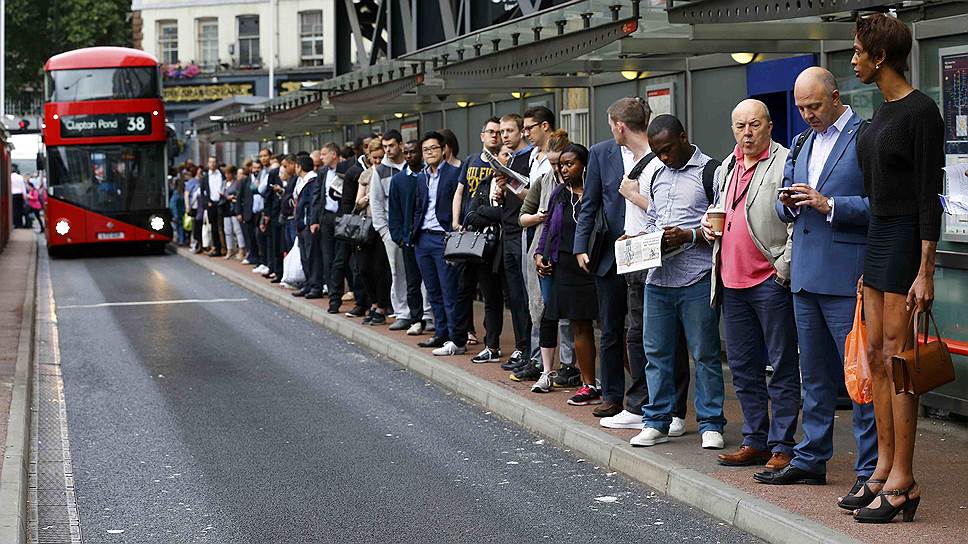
<point>602,179</point>
<point>828,257</point>
<point>446,186</point>
<point>400,204</point>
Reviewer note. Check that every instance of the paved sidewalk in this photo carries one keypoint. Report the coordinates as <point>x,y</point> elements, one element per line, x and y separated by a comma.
<point>15,262</point>
<point>943,516</point>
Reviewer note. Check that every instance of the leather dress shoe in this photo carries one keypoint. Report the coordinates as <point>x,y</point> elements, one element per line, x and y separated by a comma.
<point>791,475</point>
<point>778,461</point>
<point>300,293</point>
<point>435,342</point>
<point>333,308</point>
<point>275,280</point>
<point>746,456</point>
<point>315,293</point>
<point>607,409</point>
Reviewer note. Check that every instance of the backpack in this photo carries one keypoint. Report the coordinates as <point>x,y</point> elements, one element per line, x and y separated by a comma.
<point>708,178</point>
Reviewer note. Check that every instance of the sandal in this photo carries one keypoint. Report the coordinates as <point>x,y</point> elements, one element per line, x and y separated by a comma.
<point>886,512</point>
<point>472,339</point>
<point>852,501</point>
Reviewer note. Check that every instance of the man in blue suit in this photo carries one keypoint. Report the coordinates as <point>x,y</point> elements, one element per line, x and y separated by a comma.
<point>829,210</point>
<point>432,219</point>
<point>602,180</point>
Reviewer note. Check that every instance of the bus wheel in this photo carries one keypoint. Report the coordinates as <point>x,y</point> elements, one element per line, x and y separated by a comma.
<point>54,252</point>
<point>158,248</point>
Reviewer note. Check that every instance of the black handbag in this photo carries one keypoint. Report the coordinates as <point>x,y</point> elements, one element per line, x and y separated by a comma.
<point>469,246</point>
<point>354,228</point>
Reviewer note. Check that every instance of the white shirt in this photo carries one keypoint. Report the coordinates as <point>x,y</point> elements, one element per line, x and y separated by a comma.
<point>215,184</point>
<point>538,167</point>
<point>301,182</point>
<point>430,221</point>
<point>17,185</point>
<point>635,217</point>
<point>331,205</point>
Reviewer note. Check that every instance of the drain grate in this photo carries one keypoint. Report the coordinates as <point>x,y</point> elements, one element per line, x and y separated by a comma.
<point>51,499</point>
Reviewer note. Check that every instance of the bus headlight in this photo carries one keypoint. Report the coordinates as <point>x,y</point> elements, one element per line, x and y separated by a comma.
<point>62,227</point>
<point>157,223</point>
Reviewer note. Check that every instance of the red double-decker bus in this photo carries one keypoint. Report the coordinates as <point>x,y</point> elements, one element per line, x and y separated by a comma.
<point>105,136</point>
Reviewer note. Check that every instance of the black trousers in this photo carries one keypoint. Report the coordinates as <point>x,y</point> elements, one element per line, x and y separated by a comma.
<point>611,291</point>
<point>215,222</point>
<point>196,228</point>
<point>375,268</point>
<point>327,241</point>
<point>414,295</point>
<point>18,211</point>
<point>517,294</point>
<point>275,247</point>
<point>636,388</point>
<point>342,269</point>
<point>310,253</point>
<point>466,292</point>
<point>251,244</point>
<point>490,285</point>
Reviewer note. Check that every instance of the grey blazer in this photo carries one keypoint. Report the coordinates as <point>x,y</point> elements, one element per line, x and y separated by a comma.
<point>771,236</point>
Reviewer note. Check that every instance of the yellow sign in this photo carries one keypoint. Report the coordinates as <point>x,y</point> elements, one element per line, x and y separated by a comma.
<point>287,87</point>
<point>207,93</point>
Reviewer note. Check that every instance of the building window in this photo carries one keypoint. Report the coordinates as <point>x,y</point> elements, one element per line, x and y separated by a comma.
<point>575,123</point>
<point>168,41</point>
<point>311,38</point>
<point>249,41</point>
<point>207,43</point>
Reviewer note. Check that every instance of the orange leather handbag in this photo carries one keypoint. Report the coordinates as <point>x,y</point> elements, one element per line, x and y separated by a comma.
<point>926,366</point>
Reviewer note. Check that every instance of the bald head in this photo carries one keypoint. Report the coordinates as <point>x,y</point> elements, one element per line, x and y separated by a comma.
<point>752,127</point>
<point>818,98</point>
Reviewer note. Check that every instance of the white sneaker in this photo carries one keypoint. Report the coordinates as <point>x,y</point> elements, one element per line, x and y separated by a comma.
<point>677,427</point>
<point>544,383</point>
<point>649,437</point>
<point>623,420</point>
<point>261,269</point>
<point>416,329</point>
<point>712,440</point>
<point>449,348</point>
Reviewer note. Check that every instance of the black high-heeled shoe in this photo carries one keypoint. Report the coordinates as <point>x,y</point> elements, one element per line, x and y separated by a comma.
<point>853,502</point>
<point>886,512</point>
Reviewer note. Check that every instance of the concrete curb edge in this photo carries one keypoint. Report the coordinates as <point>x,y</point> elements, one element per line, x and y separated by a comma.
<point>720,500</point>
<point>16,458</point>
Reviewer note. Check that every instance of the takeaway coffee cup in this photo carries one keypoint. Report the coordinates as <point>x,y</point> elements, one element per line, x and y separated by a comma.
<point>717,218</point>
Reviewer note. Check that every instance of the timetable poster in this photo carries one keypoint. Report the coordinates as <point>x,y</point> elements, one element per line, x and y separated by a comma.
<point>954,98</point>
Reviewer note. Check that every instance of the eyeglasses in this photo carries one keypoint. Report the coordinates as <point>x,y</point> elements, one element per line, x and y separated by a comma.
<point>527,128</point>
<point>490,132</point>
<point>431,149</point>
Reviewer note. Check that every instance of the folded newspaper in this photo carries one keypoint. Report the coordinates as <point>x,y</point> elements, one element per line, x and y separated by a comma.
<point>956,201</point>
<point>641,252</point>
<point>516,182</point>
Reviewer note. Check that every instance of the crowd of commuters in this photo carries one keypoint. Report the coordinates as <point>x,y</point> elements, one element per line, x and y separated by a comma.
<point>28,197</point>
<point>850,205</point>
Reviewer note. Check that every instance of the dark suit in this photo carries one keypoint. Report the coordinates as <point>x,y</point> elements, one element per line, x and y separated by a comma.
<point>343,265</point>
<point>310,249</point>
<point>602,179</point>
<point>827,260</point>
<point>270,213</point>
<point>247,191</point>
<point>213,209</point>
<point>400,204</point>
<point>323,194</point>
<point>440,279</point>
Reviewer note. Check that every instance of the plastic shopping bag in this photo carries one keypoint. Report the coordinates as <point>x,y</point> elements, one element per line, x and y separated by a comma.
<point>857,372</point>
<point>292,272</point>
<point>188,222</point>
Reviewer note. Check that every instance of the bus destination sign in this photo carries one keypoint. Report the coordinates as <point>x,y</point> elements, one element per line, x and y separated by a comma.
<point>109,124</point>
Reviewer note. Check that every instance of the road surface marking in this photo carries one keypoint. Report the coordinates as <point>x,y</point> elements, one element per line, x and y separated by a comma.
<point>152,303</point>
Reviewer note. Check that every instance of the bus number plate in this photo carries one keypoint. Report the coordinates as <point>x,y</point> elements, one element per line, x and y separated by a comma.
<point>110,235</point>
<point>92,126</point>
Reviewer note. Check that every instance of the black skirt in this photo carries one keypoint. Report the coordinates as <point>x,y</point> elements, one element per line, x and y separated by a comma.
<point>893,254</point>
<point>573,291</point>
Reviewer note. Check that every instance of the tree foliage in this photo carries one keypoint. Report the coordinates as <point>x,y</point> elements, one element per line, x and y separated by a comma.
<point>39,29</point>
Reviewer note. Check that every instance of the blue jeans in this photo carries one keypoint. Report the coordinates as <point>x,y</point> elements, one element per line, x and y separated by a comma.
<point>664,309</point>
<point>440,279</point>
<point>760,330</point>
<point>823,322</point>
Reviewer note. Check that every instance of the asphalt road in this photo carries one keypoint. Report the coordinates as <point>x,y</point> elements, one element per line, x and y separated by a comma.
<point>238,422</point>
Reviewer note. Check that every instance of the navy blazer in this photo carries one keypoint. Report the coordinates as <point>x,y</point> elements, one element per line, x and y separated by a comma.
<point>305,212</point>
<point>400,204</point>
<point>602,179</point>
<point>828,256</point>
<point>446,186</point>
<point>272,202</point>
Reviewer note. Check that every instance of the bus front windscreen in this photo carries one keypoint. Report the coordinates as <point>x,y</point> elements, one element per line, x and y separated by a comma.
<point>109,178</point>
<point>103,84</point>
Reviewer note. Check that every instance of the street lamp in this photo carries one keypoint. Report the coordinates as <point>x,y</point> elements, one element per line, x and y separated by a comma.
<point>744,58</point>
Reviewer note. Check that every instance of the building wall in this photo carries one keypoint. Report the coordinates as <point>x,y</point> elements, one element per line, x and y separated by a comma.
<point>187,12</point>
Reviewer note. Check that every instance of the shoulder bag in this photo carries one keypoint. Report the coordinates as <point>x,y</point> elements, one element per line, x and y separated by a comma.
<point>925,367</point>
<point>470,246</point>
<point>354,228</point>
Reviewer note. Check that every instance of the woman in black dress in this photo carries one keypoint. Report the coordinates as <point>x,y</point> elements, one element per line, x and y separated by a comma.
<point>573,290</point>
<point>901,155</point>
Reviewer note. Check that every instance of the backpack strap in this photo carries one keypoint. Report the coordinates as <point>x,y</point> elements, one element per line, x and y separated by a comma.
<point>708,178</point>
<point>798,145</point>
